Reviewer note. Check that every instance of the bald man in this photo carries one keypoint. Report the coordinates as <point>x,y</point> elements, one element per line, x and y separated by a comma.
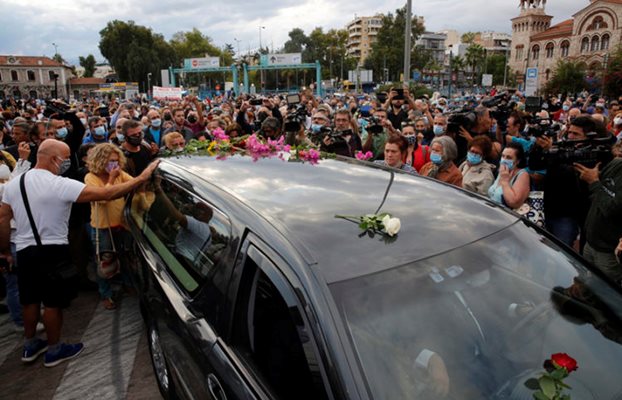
<point>43,250</point>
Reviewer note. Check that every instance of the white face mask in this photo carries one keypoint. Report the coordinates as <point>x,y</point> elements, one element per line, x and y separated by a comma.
<point>617,121</point>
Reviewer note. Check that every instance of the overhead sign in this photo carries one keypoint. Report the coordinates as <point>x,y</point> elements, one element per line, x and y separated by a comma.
<point>531,82</point>
<point>167,93</point>
<point>199,63</point>
<point>486,80</point>
<point>281,59</point>
<point>118,87</point>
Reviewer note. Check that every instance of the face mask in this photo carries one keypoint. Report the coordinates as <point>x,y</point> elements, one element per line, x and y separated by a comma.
<point>100,131</point>
<point>411,139</point>
<point>473,158</point>
<point>178,149</point>
<point>120,137</point>
<point>515,99</point>
<point>438,130</point>
<point>316,128</point>
<point>134,140</point>
<point>565,108</point>
<point>64,166</point>
<point>156,123</point>
<point>617,121</point>
<point>600,105</point>
<point>192,119</point>
<point>111,165</point>
<point>61,133</point>
<point>167,117</point>
<point>508,163</point>
<point>436,158</point>
<point>83,120</point>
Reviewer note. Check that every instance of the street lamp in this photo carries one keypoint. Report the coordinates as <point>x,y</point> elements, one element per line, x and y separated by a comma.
<point>238,43</point>
<point>261,72</point>
<point>55,77</point>
<point>260,28</point>
<point>55,48</point>
<point>149,85</point>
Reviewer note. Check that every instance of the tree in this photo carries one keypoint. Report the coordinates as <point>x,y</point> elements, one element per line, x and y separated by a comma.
<point>59,59</point>
<point>474,57</point>
<point>297,42</point>
<point>134,51</point>
<point>569,77</point>
<point>613,75</point>
<point>388,49</point>
<point>468,37</point>
<point>88,63</point>
<point>193,44</point>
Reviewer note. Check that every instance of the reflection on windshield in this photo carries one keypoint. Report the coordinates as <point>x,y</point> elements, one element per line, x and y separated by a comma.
<point>477,322</point>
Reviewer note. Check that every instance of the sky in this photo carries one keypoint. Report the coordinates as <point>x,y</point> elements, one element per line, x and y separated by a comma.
<point>31,27</point>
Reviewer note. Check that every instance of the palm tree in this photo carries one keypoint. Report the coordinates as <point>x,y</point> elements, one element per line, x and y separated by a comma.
<point>474,57</point>
<point>457,65</point>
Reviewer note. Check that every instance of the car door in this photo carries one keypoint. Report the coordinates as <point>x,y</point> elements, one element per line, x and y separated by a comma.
<point>184,241</point>
<point>270,346</point>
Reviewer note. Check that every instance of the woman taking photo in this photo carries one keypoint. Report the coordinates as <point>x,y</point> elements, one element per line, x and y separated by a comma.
<point>512,185</point>
<point>105,163</point>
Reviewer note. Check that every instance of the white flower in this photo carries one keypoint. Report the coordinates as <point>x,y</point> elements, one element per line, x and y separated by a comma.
<point>391,225</point>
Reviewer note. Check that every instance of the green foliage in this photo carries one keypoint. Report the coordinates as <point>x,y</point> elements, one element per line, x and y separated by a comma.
<point>388,49</point>
<point>59,59</point>
<point>88,63</point>
<point>474,57</point>
<point>415,90</point>
<point>613,77</point>
<point>569,77</point>
<point>134,51</point>
<point>193,44</point>
<point>468,37</point>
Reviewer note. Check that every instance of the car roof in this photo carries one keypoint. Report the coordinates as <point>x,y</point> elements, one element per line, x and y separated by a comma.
<point>301,200</point>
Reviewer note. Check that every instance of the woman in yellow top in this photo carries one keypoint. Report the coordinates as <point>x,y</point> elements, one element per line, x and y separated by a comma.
<point>105,163</point>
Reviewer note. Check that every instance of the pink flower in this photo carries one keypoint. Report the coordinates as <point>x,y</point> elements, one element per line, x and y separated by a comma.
<point>364,156</point>
<point>219,134</point>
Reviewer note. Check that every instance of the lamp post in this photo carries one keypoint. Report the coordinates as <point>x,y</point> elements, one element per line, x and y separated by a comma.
<point>505,66</point>
<point>261,75</point>
<point>55,49</point>
<point>149,86</point>
<point>55,77</point>
<point>451,53</point>
<point>238,43</point>
<point>407,44</point>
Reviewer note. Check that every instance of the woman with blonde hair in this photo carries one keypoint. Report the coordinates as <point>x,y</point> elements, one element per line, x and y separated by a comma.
<point>105,163</point>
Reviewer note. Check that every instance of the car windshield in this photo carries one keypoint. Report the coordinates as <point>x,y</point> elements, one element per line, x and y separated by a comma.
<point>479,321</point>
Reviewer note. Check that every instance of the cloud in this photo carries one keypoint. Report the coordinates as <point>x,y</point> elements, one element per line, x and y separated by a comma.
<point>74,25</point>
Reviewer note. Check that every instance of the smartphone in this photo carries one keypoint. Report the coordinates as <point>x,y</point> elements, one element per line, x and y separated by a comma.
<point>382,97</point>
<point>255,102</point>
<point>293,99</point>
<point>399,95</point>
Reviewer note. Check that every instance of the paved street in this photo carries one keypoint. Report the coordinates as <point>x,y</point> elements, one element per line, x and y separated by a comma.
<point>114,365</point>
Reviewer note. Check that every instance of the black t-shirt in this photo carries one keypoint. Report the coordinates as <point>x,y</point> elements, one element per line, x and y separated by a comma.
<point>397,119</point>
<point>137,161</point>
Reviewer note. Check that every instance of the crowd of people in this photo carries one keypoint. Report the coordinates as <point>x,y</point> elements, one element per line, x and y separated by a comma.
<point>64,168</point>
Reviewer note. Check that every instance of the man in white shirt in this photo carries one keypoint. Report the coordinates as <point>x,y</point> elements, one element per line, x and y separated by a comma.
<point>40,279</point>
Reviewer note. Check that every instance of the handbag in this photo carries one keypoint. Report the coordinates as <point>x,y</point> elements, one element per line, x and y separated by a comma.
<point>63,270</point>
<point>533,208</point>
<point>108,264</point>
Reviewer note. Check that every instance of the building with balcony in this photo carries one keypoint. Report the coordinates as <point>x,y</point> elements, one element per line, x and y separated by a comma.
<point>586,38</point>
<point>32,77</point>
<point>435,43</point>
<point>362,32</point>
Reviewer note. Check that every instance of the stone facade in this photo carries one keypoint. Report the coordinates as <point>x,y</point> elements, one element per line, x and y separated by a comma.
<point>588,37</point>
<point>25,77</point>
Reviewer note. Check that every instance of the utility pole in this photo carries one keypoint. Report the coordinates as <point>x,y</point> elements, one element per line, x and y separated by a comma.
<point>450,73</point>
<point>261,72</point>
<point>505,68</point>
<point>407,44</point>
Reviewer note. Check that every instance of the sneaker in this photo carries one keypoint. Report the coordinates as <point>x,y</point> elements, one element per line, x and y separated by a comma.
<point>66,352</point>
<point>20,328</point>
<point>33,351</point>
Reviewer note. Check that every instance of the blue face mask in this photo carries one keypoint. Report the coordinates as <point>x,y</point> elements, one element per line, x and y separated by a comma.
<point>100,131</point>
<point>438,130</point>
<point>508,163</point>
<point>436,158</point>
<point>120,137</point>
<point>61,133</point>
<point>411,139</point>
<point>565,108</point>
<point>473,158</point>
<point>316,128</point>
<point>156,123</point>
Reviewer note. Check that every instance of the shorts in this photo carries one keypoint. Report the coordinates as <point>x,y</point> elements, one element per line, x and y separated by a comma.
<point>37,281</point>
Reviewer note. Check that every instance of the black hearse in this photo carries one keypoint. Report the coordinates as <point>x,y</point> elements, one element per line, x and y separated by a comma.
<point>251,288</point>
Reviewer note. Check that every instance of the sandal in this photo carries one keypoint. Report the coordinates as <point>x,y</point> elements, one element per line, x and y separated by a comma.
<point>109,304</point>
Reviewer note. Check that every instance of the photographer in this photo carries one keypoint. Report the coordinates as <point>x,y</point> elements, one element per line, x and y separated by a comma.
<point>566,198</point>
<point>344,141</point>
<point>395,106</point>
<point>378,131</point>
<point>603,225</point>
<point>483,124</point>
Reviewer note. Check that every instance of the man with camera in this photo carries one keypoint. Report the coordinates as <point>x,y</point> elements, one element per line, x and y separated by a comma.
<point>395,106</point>
<point>343,140</point>
<point>566,197</point>
<point>378,131</point>
<point>482,126</point>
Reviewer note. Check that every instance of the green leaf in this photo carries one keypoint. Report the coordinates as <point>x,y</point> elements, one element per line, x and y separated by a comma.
<point>559,374</point>
<point>532,384</point>
<point>548,386</point>
<point>540,396</point>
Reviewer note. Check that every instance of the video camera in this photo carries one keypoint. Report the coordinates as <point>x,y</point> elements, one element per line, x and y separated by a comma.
<point>463,118</point>
<point>538,127</point>
<point>56,107</point>
<point>500,108</point>
<point>296,117</point>
<point>588,152</point>
<point>374,125</point>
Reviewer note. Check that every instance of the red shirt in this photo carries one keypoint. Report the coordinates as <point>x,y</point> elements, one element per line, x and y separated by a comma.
<point>418,158</point>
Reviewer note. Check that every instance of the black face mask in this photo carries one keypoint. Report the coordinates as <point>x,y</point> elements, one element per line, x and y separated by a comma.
<point>192,119</point>
<point>134,140</point>
<point>262,116</point>
<point>167,117</point>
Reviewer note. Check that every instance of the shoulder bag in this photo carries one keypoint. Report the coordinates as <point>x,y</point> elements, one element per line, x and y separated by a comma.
<point>108,264</point>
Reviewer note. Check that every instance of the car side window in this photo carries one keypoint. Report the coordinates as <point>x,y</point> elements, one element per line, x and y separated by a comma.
<point>272,340</point>
<point>189,234</point>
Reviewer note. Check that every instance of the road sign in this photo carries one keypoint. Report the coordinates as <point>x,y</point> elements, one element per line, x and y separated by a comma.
<point>281,59</point>
<point>531,82</point>
<point>486,80</point>
<point>205,62</point>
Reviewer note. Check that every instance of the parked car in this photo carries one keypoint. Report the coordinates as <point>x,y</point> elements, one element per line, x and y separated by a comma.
<point>251,288</point>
